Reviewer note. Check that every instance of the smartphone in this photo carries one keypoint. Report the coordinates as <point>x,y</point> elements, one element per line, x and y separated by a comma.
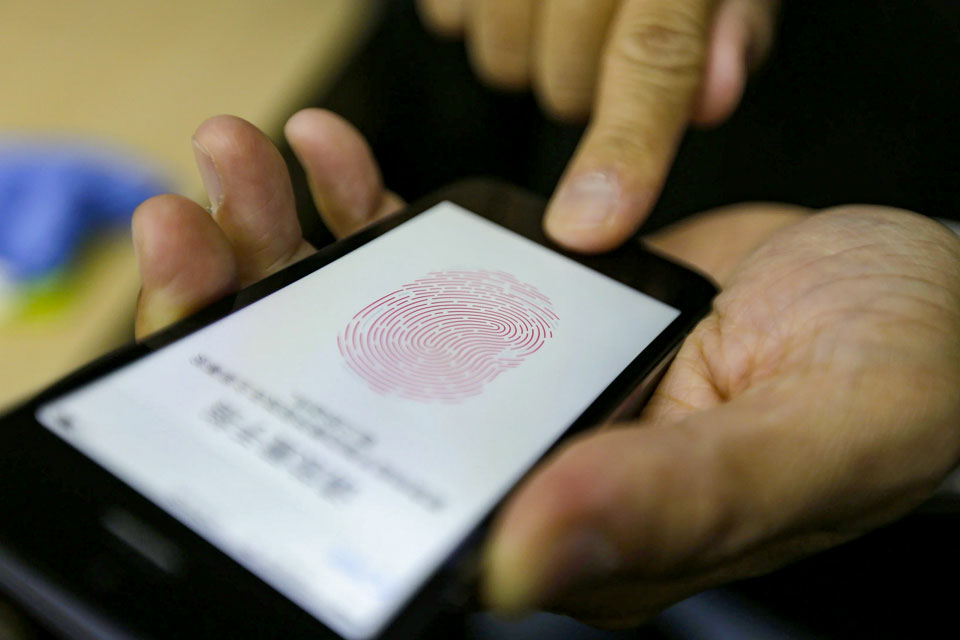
<point>318,454</point>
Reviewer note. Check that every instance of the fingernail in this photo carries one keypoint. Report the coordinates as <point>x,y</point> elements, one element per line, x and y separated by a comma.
<point>580,557</point>
<point>589,200</point>
<point>209,175</point>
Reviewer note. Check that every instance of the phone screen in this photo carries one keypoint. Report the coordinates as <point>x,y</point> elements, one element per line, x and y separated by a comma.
<point>342,435</point>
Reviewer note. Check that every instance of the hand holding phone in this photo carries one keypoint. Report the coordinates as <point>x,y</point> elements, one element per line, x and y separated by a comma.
<point>688,492</point>
<point>323,448</point>
<point>705,378</point>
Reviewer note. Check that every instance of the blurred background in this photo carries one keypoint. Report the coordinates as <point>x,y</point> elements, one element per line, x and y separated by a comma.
<point>857,104</point>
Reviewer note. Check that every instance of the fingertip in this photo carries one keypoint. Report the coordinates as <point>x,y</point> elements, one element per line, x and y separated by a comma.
<point>222,121</point>
<point>318,130</point>
<point>251,196</point>
<point>638,500</point>
<point>175,239</point>
<point>156,226</point>
<point>443,17</point>
<point>595,211</point>
<point>343,175</point>
<point>307,123</point>
<point>551,535</point>
<point>246,158</point>
<point>582,240</point>
<point>226,135</point>
<point>185,261</point>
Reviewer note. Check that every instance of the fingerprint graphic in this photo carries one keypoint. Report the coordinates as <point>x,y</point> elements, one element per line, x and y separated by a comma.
<point>445,336</point>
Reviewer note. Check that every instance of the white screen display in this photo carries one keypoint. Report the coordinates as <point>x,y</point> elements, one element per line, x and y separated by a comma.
<point>341,436</point>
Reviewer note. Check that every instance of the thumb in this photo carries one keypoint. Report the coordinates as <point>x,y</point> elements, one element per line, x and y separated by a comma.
<point>756,477</point>
<point>637,497</point>
<point>652,73</point>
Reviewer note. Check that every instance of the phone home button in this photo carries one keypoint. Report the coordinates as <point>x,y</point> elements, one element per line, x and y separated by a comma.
<point>146,541</point>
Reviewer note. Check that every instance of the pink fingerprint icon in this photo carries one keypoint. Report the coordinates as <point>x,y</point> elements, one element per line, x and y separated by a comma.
<point>447,335</point>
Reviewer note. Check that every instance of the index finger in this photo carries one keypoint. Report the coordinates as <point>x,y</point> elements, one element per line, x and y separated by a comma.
<point>650,80</point>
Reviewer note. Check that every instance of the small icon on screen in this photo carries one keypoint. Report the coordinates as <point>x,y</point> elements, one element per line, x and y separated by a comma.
<point>64,422</point>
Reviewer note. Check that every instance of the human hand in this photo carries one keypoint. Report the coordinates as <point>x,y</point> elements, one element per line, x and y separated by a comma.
<point>646,68</point>
<point>189,257</point>
<point>818,400</point>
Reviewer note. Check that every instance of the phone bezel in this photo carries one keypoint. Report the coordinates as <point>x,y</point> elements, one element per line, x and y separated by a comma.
<point>37,468</point>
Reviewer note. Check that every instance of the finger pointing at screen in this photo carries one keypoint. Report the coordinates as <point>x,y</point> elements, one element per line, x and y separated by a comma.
<point>666,62</point>
<point>645,68</point>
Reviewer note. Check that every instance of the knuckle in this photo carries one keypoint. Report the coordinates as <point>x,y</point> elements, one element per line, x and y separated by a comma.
<point>672,44</point>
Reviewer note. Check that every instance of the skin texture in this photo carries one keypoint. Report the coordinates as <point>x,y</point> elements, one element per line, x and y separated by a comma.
<point>643,70</point>
<point>817,401</point>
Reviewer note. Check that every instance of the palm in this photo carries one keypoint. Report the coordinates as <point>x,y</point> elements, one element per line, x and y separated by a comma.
<point>813,403</point>
<point>849,312</point>
<point>832,297</point>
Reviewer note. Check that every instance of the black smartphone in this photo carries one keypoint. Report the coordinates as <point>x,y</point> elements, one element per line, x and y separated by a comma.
<point>317,455</point>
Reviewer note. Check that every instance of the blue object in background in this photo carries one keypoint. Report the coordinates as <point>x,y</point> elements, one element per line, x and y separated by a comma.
<point>53,197</point>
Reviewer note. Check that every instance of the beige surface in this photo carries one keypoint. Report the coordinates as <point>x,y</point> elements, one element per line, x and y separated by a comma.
<point>145,74</point>
<point>142,75</point>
